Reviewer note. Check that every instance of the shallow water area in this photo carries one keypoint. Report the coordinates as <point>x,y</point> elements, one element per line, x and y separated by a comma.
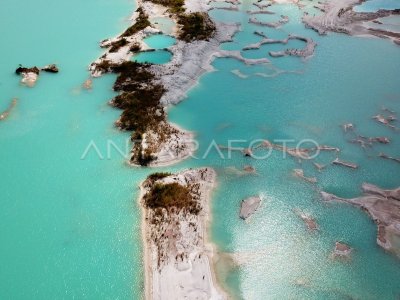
<point>159,41</point>
<point>375,5</point>
<point>154,57</point>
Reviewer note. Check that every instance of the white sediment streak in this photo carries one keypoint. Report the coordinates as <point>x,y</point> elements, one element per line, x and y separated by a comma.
<point>178,257</point>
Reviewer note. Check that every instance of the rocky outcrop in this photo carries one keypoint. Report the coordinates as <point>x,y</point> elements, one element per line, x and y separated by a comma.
<point>249,206</point>
<point>30,75</point>
<point>342,250</point>
<point>50,68</point>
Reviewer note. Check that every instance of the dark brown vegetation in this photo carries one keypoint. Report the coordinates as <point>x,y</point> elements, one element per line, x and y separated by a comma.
<point>175,6</point>
<point>158,175</point>
<point>196,26</point>
<point>141,22</point>
<point>173,197</point>
<point>165,203</point>
<point>115,46</point>
<point>135,48</point>
<point>140,93</point>
<point>140,101</point>
<point>21,69</point>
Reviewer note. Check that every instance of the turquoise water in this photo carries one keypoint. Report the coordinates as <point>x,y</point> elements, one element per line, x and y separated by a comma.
<point>374,5</point>
<point>155,57</point>
<point>70,227</point>
<point>338,84</point>
<point>391,23</point>
<point>159,41</point>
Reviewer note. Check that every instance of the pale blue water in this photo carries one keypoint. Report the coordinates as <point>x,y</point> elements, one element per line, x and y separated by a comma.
<point>70,228</point>
<point>155,57</point>
<point>159,41</point>
<point>374,5</point>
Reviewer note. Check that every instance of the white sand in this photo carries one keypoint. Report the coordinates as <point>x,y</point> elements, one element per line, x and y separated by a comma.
<point>186,269</point>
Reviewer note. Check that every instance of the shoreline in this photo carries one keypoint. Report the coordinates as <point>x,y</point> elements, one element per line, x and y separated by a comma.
<point>382,206</point>
<point>153,287</point>
<point>192,56</point>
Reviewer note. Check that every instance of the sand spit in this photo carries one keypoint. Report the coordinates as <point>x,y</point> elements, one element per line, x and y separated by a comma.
<point>300,174</point>
<point>249,206</point>
<point>306,52</point>
<point>179,145</point>
<point>5,114</point>
<point>385,156</point>
<point>178,257</point>
<point>383,206</point>
<point>260,12</point>
<point>277,24</point>
<point>339,16</point>
<point>343,163</point>
<point>307,219</point>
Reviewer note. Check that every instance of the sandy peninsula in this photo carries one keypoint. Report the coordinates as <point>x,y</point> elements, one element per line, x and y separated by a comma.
<point>166,84</point>
<point>177,254</point>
